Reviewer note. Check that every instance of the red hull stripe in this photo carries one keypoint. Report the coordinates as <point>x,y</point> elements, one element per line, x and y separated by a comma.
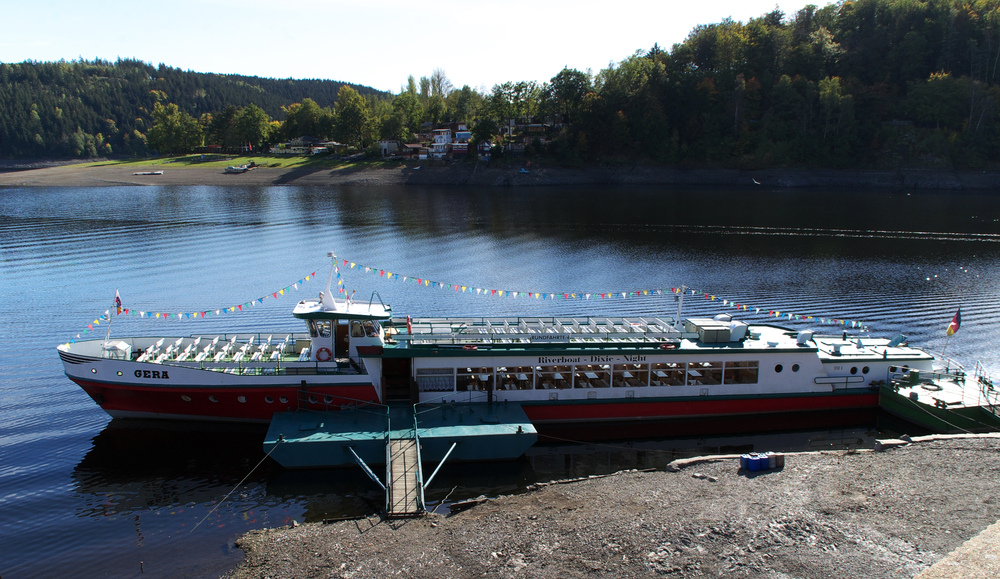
<point>256,404</point>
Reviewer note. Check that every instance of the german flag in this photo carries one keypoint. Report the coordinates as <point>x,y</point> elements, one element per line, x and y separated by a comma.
<point>955,322</point>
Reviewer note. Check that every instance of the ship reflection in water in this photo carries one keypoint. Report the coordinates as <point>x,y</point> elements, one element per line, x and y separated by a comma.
<point>185,470</point>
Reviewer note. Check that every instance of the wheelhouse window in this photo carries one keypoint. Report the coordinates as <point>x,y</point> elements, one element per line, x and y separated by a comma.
<point>436,379</point>
<point>320,328</point>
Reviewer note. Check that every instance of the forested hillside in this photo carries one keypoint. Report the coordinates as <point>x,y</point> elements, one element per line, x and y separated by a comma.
<point>86,109</point>
<point>856,84</point>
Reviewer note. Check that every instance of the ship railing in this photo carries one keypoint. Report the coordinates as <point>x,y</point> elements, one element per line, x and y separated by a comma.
<point>946,370</point>
<point>527,329</point>
<point>990,395</point>
<point>490,339</point>
<point>450,400</point>
<point>911,376</point>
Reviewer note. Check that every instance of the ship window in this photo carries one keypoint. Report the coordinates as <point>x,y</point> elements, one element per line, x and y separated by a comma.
<point>795,368</point>
<point>592,376</point>
<point>474,379</point>
<point>704,373</point>
<point>514,378</point>
<point>241,399</point>
<point>854,369</point>
<point>283,400</point>
<point>436,379</point>
<point>744,372</point>
<point>268,399</point>
<point>778,368</point>
<point>670,373</point>
<point>633,375</point>
<point>553,377</point>
<point>213,399</point>
<point>119,372</point>
<point>865,370</point>
<point>324,328</point>
<point>356,331</point>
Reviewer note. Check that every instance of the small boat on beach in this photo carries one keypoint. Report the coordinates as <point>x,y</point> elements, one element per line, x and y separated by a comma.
<point>234,169</point>
<point>587,372</point>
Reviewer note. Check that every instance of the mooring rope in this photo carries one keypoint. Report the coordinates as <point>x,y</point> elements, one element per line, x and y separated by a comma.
<point>239,484</point>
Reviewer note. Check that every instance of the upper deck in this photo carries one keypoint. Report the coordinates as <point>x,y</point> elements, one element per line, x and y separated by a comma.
<point>698,334</point>
<point>587,332</point>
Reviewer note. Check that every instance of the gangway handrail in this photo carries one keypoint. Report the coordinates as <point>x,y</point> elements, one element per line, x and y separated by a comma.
<point>439,401</point>
<point>364,467</point>
<point>420,468</point>
<point>388,462</point>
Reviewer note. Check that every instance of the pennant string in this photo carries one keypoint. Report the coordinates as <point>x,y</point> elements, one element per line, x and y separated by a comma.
<point>156,315</point>
<point>382,274</point>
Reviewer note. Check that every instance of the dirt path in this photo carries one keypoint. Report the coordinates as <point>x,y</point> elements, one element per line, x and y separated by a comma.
<point>832,514</point>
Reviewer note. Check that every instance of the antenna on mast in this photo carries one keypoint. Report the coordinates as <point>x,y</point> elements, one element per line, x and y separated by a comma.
<point>327,302</point>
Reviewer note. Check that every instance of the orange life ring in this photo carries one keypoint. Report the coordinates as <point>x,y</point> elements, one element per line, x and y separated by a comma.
<point>470,347</point>
<point>668,346</point>
<point>323,355</point>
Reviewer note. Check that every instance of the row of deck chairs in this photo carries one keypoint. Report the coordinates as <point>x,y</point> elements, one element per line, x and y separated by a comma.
<point>214,351</point>
<point>618,330</point>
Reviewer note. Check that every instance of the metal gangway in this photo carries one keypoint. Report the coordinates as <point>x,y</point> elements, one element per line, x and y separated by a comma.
<point>405,491</point>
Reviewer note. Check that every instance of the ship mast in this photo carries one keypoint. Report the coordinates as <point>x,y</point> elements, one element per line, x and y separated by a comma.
<point>680,306</point>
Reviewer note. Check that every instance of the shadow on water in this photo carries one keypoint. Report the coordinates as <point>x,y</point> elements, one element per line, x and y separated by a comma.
<point>138,466</point>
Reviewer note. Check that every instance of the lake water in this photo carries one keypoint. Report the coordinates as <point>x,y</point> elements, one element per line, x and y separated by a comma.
<point>85,496</point>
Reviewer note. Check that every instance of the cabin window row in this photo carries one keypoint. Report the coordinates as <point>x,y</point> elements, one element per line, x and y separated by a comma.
<point>562,377</point>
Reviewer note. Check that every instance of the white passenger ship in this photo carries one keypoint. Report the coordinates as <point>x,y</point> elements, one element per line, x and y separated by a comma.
<point>562,370</point>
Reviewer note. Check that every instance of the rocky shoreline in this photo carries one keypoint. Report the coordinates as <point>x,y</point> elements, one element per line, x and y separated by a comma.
<point>462,174</point>
<point>825,514</point>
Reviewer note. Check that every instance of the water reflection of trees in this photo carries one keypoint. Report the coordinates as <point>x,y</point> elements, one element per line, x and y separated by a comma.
<point>773,222</point>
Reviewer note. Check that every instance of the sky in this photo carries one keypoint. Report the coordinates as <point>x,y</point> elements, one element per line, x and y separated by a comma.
<point>479,43</point>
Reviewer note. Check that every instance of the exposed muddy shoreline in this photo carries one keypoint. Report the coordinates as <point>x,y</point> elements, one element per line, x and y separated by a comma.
<point>53,174</point>
<point>829,514</point>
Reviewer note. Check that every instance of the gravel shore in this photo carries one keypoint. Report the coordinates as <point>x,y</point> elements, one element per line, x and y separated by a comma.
<point>39,174</point>
<point>829,514</point>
